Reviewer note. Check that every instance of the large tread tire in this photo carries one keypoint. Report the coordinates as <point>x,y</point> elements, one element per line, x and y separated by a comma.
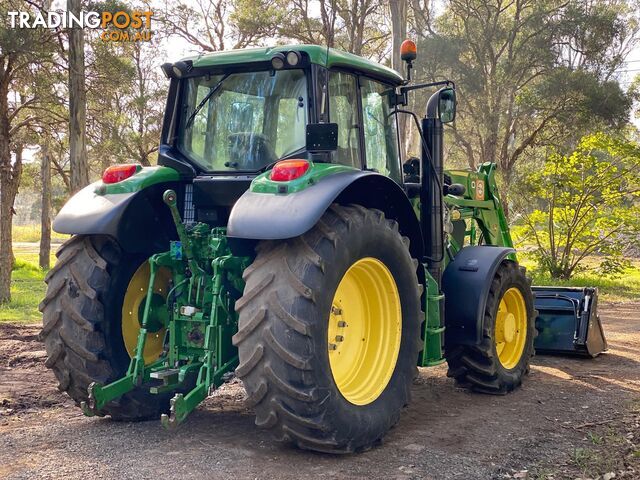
<point>81,324</point>
<point>282,332</point>
<point>478,367</point>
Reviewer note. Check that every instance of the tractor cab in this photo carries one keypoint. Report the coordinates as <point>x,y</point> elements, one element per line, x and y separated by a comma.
<point>232,116</point>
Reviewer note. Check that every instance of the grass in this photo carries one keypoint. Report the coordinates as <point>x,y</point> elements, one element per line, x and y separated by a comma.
<point>607,455</point>
<point>582,458</point>
<point>618,289</point>
<point>31,233</point>
<point>595,438</point>
<point>606,450</point>
<point>27,286</point>
<point>27,290</point>
<point>27,280</point>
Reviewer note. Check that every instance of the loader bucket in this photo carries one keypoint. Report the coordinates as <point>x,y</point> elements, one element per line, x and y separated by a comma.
<point>568,321</point>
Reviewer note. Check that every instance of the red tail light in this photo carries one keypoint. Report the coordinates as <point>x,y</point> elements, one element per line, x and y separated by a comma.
<point>289,170</point>
<point>118,173</point>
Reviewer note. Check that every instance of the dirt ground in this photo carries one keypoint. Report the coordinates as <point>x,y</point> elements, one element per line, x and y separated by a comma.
<point>573,418</point>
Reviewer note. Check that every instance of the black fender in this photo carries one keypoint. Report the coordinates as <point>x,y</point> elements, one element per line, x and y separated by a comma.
<point>465,283</point>
<point>139,221</point>
<point>262,216</point>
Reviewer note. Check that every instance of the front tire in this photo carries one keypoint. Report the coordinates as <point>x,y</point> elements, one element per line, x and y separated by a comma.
<point>499,362</point>
<point>296,305</point>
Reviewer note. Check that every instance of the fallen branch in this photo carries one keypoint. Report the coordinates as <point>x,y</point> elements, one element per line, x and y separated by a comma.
<point>593,424</point>
<point>584,425</point>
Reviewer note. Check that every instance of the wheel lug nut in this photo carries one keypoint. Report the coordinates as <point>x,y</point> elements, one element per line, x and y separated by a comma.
<point>336,311</point>
<point>342,323</point>
<point>339,338</point>
<point>332,346</point>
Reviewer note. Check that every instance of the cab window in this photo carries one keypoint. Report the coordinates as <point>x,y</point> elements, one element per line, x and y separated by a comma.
<point>380,129</point>
<point>243,121</point>
<point>343,110</point>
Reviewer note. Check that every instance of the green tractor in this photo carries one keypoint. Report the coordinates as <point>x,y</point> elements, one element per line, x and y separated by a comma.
<point>281,239</point>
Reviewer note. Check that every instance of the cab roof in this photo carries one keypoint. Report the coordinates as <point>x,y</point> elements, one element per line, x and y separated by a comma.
<point>318,54</point>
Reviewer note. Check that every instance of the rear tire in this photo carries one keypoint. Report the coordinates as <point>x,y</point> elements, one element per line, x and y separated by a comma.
<point>283,332</point>
<point>480,367</point>
<point>81,324</point>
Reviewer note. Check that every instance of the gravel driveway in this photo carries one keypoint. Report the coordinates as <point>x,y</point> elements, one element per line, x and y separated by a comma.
<point>572,418</point>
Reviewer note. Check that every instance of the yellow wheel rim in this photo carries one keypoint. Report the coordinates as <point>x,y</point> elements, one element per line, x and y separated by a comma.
<point>511,328</point>
<point>132,309</point>
<point>365,328</point>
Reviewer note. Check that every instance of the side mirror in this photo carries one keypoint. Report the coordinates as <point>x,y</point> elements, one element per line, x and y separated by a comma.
<point>322,137</point>
<point>447,105</point>
<point>442,105</point>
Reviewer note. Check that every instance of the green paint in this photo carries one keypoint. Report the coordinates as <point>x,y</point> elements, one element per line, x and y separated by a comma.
<point>317,54</point>
<point>432,353</point>
<point>481,204</point>
<point>317,171</point>
<point>199,325</point>
<point>143,178</point>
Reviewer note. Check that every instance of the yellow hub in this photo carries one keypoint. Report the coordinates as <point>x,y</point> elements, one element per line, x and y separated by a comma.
<point>511,328</point>
<point>133,308</point>
<point>365,329</point>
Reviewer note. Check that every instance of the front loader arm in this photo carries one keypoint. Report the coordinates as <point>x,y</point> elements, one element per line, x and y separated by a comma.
<point>480,203</point>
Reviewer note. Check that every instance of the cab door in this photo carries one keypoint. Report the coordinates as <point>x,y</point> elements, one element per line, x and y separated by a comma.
<point>344,109</point>
<point>380,129</point>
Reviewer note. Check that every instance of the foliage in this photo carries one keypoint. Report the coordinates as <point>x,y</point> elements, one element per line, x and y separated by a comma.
<point>529,73</point>
<point>588,202</point>
<point>125,102</point>
<point>125,95</point>
<point>24,55</point>
<point>356,26</point>
<point>214,25</point>
<point>614,289</point>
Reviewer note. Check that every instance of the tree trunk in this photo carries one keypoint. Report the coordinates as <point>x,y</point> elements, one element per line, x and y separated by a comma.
<point>505,192</point>
<point>77,105</point>
<point>9,181</point>
<point>9,178</point>
<point>398,34</point>
<point>6,254</point>
<point>45,215</point>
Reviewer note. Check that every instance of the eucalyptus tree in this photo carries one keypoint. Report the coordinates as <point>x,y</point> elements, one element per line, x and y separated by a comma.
<point>22,52</point>
<point>528,72</point>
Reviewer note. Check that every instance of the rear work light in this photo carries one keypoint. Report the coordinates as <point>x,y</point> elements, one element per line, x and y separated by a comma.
<point>118,173</point>
<point>289,170</point>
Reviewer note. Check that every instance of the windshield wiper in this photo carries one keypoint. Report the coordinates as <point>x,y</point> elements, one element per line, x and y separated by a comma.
<point>206,98</point>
